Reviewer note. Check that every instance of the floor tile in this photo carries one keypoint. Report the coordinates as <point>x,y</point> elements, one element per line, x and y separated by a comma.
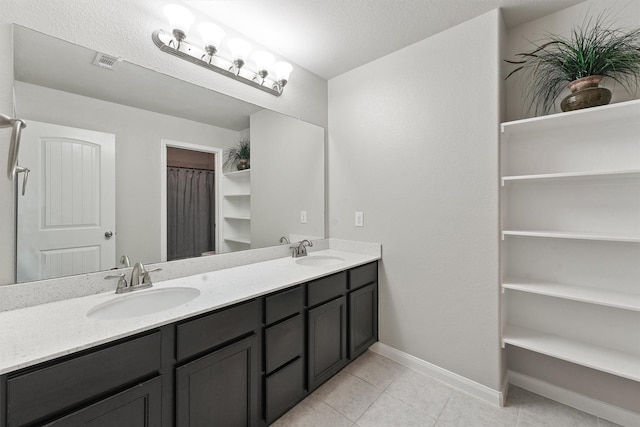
<point>348,394</point>
<point>389,411</point>
<point>375,369</point>
<point>420,391</point>
<point>312,412</point>
<point>463,410</point>
<point>545,412</point>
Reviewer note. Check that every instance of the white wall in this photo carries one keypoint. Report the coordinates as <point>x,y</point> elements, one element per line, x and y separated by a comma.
<point>138,152</point>
<point>413,143</point>
<point>622,14</point>
<point>287,176</point>
<point>123,28</point>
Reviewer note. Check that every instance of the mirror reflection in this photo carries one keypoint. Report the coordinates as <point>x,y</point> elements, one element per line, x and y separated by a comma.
<point>127,165</point>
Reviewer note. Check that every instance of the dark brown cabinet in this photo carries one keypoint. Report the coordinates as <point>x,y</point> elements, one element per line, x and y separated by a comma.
<point>284,352</point>
<point>217,377</point>
<point>37,395</point>
<point>243,365</point>
<point>220,388</point>
<point>327,340</point>
<point>138,406</point>
<point>363,319</point>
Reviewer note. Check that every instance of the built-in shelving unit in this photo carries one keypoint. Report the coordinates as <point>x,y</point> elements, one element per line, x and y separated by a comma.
<point>570,215</point>
<point>236,210</point>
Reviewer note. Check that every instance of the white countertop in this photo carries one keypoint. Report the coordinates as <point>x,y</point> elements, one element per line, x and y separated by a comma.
<point>44,332</point>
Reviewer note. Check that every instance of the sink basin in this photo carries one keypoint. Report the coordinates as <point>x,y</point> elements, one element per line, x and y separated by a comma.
<point>142,303</point>
<point>320,260</point>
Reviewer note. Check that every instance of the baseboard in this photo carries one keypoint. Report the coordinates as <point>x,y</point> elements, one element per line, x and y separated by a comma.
<point>471,387</point>
<point>579,401</point>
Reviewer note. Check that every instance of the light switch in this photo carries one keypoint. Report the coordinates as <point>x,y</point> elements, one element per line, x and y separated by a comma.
<point>359,219</point>
<point>303,217</point>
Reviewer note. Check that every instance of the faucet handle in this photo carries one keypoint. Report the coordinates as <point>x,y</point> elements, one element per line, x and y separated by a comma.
<point>122,282</point>
<point>146,277</point>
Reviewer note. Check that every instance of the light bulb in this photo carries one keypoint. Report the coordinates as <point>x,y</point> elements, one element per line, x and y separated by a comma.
<point>282,71</point>
<point>211,36</point>
<point>180,20</point>
<point>239,49</point>
<point>264,61</point>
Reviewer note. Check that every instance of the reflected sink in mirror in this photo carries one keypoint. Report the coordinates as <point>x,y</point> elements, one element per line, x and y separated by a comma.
<point>143,303</point>
<point>319,260</point>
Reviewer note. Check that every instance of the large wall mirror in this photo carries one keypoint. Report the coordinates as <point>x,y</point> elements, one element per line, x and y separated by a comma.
<point>126,164</point>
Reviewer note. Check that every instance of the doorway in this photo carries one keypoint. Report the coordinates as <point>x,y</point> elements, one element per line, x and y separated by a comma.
<point>190,196</point>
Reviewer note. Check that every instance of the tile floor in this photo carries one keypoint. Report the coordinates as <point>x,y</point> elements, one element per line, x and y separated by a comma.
<point>376,391</point>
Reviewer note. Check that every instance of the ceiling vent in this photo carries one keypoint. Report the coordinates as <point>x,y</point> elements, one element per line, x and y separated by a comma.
<point>106,61</point>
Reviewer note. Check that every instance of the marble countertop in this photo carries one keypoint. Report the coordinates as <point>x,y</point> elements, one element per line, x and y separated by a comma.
<point>44,332</point>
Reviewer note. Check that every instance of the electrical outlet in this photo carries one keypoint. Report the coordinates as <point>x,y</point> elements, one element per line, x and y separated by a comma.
<point>359,219</point>
<point>303,217</point>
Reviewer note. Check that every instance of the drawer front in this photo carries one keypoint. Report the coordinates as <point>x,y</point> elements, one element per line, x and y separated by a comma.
<point>196,336</point>
<point>326,288</point>
<point>43,392</point>
<point>284,389</point>
<point>363,275</point>
<point>283,342</point>
<point>284,304</point>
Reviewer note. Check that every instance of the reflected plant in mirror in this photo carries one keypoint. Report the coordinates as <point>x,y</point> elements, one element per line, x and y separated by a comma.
<point>239,155</point>
<point>98,146</point>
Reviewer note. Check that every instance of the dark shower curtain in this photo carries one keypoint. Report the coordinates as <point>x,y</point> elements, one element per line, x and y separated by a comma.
<point>190,212</point>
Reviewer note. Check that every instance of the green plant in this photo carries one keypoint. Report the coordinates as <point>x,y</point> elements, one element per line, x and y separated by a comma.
<point>591,49</point>
<point>242,151</point>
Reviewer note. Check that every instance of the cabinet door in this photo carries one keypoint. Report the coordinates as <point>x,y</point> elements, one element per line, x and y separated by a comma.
<point>220,388</point>
<point>363,319</point>
<point>138,406</point>
<point>327,340</point>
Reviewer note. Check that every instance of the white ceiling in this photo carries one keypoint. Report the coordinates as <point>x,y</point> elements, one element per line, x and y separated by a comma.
<point>330,37</point>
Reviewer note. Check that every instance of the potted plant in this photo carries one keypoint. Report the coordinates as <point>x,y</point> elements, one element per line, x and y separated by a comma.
<point>591,52</point>
<point>240,155</point>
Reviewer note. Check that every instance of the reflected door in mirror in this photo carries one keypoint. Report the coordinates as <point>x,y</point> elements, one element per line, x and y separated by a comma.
<point>66,219</point>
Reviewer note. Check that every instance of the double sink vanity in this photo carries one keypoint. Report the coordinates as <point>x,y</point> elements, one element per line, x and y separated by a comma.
<point>236,346</point>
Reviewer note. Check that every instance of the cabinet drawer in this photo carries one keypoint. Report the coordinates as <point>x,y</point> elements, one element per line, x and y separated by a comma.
<point>284,389</point>
<point>283,342</point>
<point>284,304</point>
<point>43,392</point>
<point>326,288</point>
<point>363,275</point>
<point>196,336</point>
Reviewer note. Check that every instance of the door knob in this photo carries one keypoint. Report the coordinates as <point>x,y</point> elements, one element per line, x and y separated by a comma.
<point>108,234</point>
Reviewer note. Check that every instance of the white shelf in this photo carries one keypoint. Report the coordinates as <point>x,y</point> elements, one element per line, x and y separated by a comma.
<point>571,175</point>
<point>237,195</point>
<point>238,173</point>
<point>573,235</point>
<point>619,112</point>
<point>244,240</point>
<point>600,358</point>
<point>616,299</point>
<point>241,218</point>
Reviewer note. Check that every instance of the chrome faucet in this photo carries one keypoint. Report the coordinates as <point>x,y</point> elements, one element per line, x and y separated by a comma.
<point>284,239</point>
<point>300,248</point>
<point>124,260</point>
<point>140,279</point>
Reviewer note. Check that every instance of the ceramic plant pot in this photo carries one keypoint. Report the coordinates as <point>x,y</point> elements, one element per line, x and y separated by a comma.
<point>243,164</point>
<point>585,93</point>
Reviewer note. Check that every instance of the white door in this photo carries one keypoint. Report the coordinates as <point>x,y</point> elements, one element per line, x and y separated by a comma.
<point>66,219</point>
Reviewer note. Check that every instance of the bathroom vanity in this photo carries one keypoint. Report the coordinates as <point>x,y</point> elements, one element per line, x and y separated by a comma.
<point>256,341</point>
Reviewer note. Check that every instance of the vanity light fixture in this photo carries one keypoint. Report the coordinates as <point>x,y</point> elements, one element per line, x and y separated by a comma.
<point>207,54</point>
